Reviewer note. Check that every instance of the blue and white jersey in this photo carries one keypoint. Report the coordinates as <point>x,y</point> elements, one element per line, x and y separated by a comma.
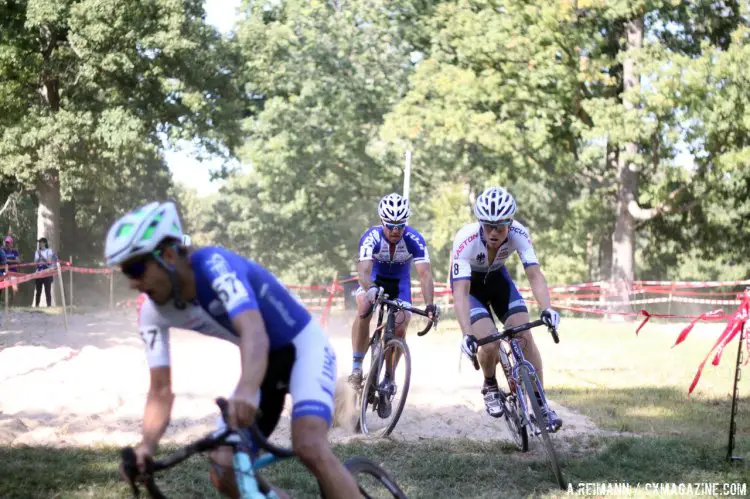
<point>227,285</point>
<point>392,260</point>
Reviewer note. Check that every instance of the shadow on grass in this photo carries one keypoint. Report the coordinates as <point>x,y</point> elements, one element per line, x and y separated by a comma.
<point>656,411</point>
<point>434,469</point>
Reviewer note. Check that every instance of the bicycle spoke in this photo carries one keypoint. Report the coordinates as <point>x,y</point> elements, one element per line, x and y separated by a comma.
<point>380,412</point>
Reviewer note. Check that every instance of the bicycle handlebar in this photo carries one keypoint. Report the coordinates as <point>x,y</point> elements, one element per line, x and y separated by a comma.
<point>509,333</point>
<point>381,299</point>
<point>257,436</point>
<point>208,442</point>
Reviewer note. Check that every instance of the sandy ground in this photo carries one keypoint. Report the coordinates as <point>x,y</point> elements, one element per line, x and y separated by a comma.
<point>87,386</point>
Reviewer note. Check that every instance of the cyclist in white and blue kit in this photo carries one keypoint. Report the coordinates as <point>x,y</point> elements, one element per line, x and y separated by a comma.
<point>481,283</point>
<point>218,293</point>
<point>386,252</point>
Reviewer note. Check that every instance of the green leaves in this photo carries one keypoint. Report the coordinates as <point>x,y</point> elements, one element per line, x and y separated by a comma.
<point>91,89</point>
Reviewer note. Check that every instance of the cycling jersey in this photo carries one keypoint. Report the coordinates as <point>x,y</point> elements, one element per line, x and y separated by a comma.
<point>391,267</point>
<point>227,285</point>
<point>491,284</point>
<point>470,250</point>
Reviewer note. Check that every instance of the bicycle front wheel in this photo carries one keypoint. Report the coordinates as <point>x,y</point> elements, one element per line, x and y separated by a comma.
<point>373,481</point>
<point>513,421</point>
<point>385,390</point>
<point>541,426</point>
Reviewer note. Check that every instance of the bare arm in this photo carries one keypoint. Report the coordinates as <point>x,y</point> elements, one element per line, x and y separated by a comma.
<point>254,346</point>
<point>158,407</point>
<point>364,271</point>
<point>461,304</point>
<point>538,286</point>
<point>425,280</point>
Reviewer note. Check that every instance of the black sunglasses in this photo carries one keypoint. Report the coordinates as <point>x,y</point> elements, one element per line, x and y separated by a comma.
<point>136,267</point>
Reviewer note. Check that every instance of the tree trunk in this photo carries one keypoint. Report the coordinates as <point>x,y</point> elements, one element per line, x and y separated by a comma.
<point>605,268</point>
<point>69,236</point>
<point>623,243</point>
<point>590,260</point>
<point>48,217</point>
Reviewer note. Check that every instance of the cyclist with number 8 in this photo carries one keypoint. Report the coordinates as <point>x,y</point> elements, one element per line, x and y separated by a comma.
<point>480,282</point>
<point>218,293</point>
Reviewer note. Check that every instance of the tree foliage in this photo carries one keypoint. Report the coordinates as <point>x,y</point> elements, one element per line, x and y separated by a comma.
<point>585,110</point>
<point>91,89</point>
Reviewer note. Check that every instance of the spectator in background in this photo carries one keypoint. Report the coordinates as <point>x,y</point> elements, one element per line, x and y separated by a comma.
<point>11,256</point>
<point>45,258</point>
<point>3,261</point>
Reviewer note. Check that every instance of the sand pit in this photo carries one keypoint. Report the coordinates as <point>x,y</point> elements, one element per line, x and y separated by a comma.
<point>87,386</point>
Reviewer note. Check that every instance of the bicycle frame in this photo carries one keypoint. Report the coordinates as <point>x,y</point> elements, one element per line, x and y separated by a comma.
<point>246,481</point>
<point>509,336</point>
<point>384,332</point>
<point>394,307</point>
<point>520,360</point>
<point>244,466</point>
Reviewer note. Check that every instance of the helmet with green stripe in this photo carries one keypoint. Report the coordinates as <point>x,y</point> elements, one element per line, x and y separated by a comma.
<point>141,231</point>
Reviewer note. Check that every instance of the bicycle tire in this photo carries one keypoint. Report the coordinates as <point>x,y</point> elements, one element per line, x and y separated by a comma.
<point>361,465</point>
<point>512,418</point>
<point>376,359</point>
<point>519,431</point>
<point>371,380</point>
<point>552,458</point>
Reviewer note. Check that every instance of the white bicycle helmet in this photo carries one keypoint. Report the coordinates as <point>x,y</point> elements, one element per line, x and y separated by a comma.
<point>394,208</point>
<point>141,231</point>
<point>494,205</point>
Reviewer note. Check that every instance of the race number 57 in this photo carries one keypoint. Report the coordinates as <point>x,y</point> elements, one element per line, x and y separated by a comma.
<point>149,337</point>
<point>230,290</point>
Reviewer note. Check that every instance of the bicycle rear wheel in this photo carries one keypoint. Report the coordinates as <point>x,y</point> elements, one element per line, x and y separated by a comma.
<point>372,479</point>
<point>549,449</point>
<point>381,406</point>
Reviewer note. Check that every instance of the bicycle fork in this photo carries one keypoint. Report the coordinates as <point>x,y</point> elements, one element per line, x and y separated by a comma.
<point>505,363</point>
<point>521,389</point>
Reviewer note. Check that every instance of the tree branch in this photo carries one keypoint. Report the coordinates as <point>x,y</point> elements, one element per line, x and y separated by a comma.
<point>646,214</point>
<point>7,203</point>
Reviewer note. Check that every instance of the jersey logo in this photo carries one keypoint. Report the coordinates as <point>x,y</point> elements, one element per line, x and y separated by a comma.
<point>218,265</point>
<point>368,245</point>
<point>277,304</point>
<point>416,240</point>
<point>466,242</point>
<point>230,290</point>
<point>520,231</point>
<point>480,258</point>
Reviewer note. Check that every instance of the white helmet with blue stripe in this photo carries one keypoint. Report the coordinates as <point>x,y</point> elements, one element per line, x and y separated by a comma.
<point>495,204</point>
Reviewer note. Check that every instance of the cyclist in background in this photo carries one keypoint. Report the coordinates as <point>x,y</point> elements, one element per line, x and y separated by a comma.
<point>386,252</point>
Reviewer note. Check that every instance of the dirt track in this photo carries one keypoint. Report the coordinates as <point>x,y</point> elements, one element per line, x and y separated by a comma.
<point>87,386</point>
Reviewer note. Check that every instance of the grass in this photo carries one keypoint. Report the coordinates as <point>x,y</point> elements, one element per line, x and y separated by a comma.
<point>635,387</point>
<point>424,470</point>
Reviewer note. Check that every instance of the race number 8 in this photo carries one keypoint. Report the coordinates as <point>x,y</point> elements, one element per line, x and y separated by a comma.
<point>455,269</point>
